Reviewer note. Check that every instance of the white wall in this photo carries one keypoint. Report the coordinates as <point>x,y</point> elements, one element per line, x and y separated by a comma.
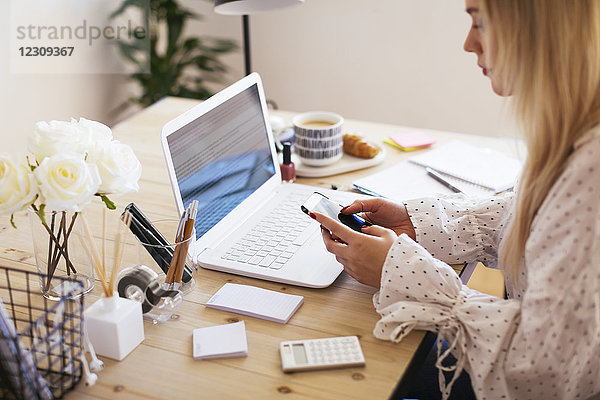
<point>394,61</point>
<point>28,98</point>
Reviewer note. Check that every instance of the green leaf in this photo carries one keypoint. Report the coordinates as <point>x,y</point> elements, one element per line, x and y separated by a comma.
<point>109,204</point>
<point>12,221</point>
<point>213,45</point>
<point>41,214</point>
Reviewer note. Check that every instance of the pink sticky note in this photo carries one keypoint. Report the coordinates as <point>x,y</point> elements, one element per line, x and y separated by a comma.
<point>412,139</point>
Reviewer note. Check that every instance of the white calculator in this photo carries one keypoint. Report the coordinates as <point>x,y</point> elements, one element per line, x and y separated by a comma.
<point>306,355</point>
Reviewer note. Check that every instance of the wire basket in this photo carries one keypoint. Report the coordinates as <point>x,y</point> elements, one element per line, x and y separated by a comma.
<point>41,348</point>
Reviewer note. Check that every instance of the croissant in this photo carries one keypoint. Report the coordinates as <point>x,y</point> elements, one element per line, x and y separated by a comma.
<point>357,146</point>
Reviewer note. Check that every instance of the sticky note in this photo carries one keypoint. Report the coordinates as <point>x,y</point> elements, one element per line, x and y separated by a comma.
<point>256,302</point>
<point>219,341</point>
<point>412,139</point>
<point>394,145</point>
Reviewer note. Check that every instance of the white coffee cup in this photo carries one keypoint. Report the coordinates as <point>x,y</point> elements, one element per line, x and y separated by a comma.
<point>318,136</point>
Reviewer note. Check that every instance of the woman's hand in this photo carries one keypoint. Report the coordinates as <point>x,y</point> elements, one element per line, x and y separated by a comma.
<point>384,213</point>
<point>361,254</point>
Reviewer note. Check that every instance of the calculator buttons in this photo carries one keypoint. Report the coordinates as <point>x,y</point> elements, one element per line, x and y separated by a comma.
<point>322,353</point>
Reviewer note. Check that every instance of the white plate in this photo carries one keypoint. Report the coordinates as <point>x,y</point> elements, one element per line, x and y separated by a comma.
<point>345,164</point>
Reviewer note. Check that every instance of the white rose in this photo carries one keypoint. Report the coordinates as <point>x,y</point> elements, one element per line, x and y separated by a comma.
<point>17,184</point>
<point>54,137</point>
<point>67,182</point>
<point>93,134</point>
<point>50,138</point>
<point>119,168</point>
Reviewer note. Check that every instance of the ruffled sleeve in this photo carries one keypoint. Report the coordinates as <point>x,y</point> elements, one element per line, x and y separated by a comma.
<point>543,345</point>
<point>421,292</point>
<point>456,229</point>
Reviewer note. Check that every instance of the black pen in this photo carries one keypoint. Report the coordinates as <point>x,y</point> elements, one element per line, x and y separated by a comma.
<point>153,241</point>
<point>435,175</point>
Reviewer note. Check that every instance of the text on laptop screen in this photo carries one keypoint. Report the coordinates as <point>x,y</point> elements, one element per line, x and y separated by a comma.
<point>222,157</point>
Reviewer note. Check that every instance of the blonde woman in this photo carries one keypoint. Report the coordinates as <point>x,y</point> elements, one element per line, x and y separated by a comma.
<point>543,342</point>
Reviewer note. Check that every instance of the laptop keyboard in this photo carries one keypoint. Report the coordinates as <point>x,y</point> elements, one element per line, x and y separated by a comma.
<point>275,239</point>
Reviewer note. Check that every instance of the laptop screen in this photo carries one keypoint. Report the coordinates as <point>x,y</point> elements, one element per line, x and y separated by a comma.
<point>222,157</point>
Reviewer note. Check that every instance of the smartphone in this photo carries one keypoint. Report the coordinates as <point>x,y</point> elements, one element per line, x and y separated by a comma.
<point>320,203</point>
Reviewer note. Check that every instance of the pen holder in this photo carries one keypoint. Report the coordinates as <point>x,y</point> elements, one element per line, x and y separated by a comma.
<point>159,257</point>
<point>114,326</point>
<point>140,283</point>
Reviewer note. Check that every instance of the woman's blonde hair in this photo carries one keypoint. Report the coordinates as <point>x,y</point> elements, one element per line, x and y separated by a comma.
<point>548,54</point>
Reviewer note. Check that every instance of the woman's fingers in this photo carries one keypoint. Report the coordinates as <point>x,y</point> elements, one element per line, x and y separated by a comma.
<point>369,205</point>
<point>375,230</point>
<point>362,255</point>
<point>332,244</point>
<point>337,229</point>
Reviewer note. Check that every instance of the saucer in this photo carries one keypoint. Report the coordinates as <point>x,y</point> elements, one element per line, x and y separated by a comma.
<point>346,164</point>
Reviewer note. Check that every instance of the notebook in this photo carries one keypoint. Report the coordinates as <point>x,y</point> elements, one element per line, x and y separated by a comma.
<point>220,341</point>
<point>222,153</point>
<point>256,302</point>
<point>406,180</point>
<point>478,165</point>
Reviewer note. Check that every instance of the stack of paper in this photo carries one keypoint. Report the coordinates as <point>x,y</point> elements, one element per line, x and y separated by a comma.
<point>218,341</point>
<point>256,302</point>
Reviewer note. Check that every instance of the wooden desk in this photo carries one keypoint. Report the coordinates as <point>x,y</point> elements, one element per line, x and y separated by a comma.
<point>162,366</point>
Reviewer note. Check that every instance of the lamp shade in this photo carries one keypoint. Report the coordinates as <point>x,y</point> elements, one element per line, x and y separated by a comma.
<point>249,7</point>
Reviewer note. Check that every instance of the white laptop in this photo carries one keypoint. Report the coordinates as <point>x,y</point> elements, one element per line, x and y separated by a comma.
<point>222,153</point>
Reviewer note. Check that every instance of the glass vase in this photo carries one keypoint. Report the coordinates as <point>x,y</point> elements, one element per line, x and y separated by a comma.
<point>58,252</point>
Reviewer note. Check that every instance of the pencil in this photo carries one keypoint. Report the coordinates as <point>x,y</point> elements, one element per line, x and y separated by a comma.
<point>178,238</point>
<point>187,237</point>
<point>438,177</point>
<point>183,249</point>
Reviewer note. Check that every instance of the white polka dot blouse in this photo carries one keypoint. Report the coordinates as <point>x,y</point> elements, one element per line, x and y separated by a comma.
<point>544,341</point>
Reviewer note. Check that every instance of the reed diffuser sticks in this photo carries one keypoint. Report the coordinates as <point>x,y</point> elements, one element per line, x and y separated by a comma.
<point>99,259</point>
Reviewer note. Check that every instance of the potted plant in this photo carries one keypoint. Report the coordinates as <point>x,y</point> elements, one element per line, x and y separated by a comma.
<point>179,66</point>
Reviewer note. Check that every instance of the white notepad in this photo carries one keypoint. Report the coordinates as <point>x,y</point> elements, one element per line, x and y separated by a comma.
<point>406,180</point>
<point>219,341</point>
<point>256,302</point>
<point>479,165</point>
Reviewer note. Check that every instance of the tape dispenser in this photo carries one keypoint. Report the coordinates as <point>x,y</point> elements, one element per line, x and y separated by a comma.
<point>142,284</point>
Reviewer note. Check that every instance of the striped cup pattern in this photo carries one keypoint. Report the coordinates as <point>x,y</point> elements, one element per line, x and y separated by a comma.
<point>318,144</point>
